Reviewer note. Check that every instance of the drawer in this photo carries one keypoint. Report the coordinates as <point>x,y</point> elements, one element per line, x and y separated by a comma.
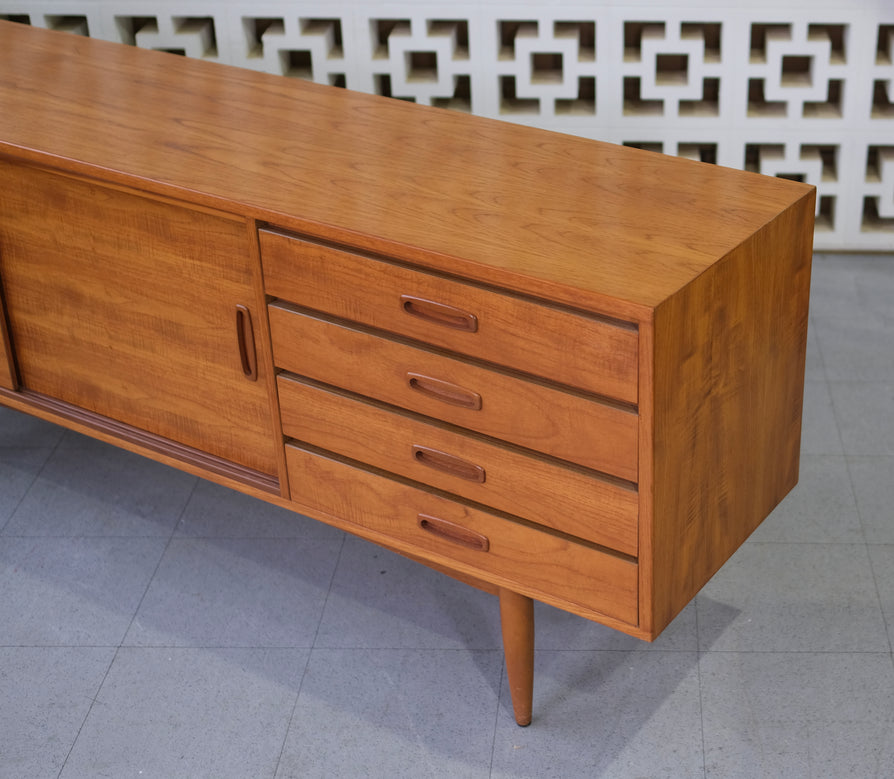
<point>543,564</point>
<point>587,352</point>
<point>566,499</point>
<point>561,424</point>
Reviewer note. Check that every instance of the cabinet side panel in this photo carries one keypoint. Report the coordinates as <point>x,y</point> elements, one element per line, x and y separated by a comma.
<point>729,382</point>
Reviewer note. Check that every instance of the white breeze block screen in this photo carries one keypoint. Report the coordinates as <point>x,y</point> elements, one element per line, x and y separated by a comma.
<point>804,91</point>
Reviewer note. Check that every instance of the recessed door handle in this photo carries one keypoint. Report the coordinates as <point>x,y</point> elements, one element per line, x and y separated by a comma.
<point>439,313</point>
<point>444,391</point>
<point>448,463</point>
<point>245,338</point>
<point>450,531</point>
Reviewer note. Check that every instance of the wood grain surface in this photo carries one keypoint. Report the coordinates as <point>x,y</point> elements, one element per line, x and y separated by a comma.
<point>126,307</point>
<point>728,384</point>
<point>557,344</point>
<point>519,556</point>
<point>579,221</point>
<point>516,482</point>
<point>7,365</point>
<point>570,427</point>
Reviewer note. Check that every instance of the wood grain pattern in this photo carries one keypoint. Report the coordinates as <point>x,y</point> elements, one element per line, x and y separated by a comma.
<point>517,623</point>
<point>729,368</point>
<point>534,561</point>
<point>7,365</point>
<point>578,221</point>
<point>550,342</point>
<point>566,499</point>
<point>126,307</point>
<point>128,437</point>
<point>265,355</point>
<point>535,416</point>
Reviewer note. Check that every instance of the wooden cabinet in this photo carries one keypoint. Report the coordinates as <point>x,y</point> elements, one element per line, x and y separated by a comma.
<point>638,455</point>
<point>508,435</point>
<point>135,309</point>
<point>550,367</point>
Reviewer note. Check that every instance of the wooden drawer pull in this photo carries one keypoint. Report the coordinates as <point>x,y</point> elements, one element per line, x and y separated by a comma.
<point>246,340</point>
<point>440,313</point>
<point>448,463</point>
<point>450,531</point>
<point>444,391</point>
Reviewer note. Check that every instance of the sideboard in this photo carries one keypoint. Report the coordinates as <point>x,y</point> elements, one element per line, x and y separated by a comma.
<point>553,368</point>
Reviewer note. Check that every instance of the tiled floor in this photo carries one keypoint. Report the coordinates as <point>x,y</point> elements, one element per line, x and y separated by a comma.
<point>152,624</point>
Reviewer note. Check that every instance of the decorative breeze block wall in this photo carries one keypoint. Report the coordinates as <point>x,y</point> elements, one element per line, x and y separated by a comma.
<point>805,92</point>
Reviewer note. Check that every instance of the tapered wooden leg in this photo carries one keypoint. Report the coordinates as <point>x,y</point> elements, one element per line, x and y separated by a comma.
<point>517,620</point>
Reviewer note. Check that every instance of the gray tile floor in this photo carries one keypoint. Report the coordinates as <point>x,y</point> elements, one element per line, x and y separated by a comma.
<point>152,624</point>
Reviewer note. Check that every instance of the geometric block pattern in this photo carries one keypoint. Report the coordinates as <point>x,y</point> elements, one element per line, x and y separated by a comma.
<point>798,69</point>
<point>672,69</point>
<point>546,67</point>
<point>878,208</point>
<point>885,165</point>
<point>810,163</point>
<point>191,36</point>
<point>803,91</point>
<point>425,60</point>
<point>304,47</point>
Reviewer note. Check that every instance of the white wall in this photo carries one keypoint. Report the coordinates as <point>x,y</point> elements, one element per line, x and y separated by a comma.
<point>805,89</point>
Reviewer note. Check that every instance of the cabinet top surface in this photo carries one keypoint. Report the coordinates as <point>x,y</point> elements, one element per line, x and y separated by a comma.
<point>530,209</point>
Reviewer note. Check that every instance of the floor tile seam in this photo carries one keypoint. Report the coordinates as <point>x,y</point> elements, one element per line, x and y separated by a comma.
<point>857,381</point>
<point>59,646</point>
<point>93,700</point>
<point>71,536</point>
<point>311,541</point>
<point>863,316</point>
<point>831,543</point>
<point>836,419</point>
<point>758,542</point>
<point>410,649</point>
<point>493,743</point>
<point>476,650</point>
<point>291,719</point>
<point>158,562</point>
<point>856,504</point>
<point>37,474</point>
<point>812,321</point>
<point>888,627</point>
<point>307,660</point>
<point>216,647</point>
<point>338,559</point>
<point>701,696</point>
<point>848,652</point>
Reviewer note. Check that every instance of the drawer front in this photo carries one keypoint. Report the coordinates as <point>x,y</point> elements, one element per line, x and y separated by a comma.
<point>490,547</point>
<point>566,499</point>
<point>580,351</point>
<point>564,425</point>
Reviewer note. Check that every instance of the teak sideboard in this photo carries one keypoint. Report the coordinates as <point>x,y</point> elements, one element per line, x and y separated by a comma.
<point>554,368</point>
